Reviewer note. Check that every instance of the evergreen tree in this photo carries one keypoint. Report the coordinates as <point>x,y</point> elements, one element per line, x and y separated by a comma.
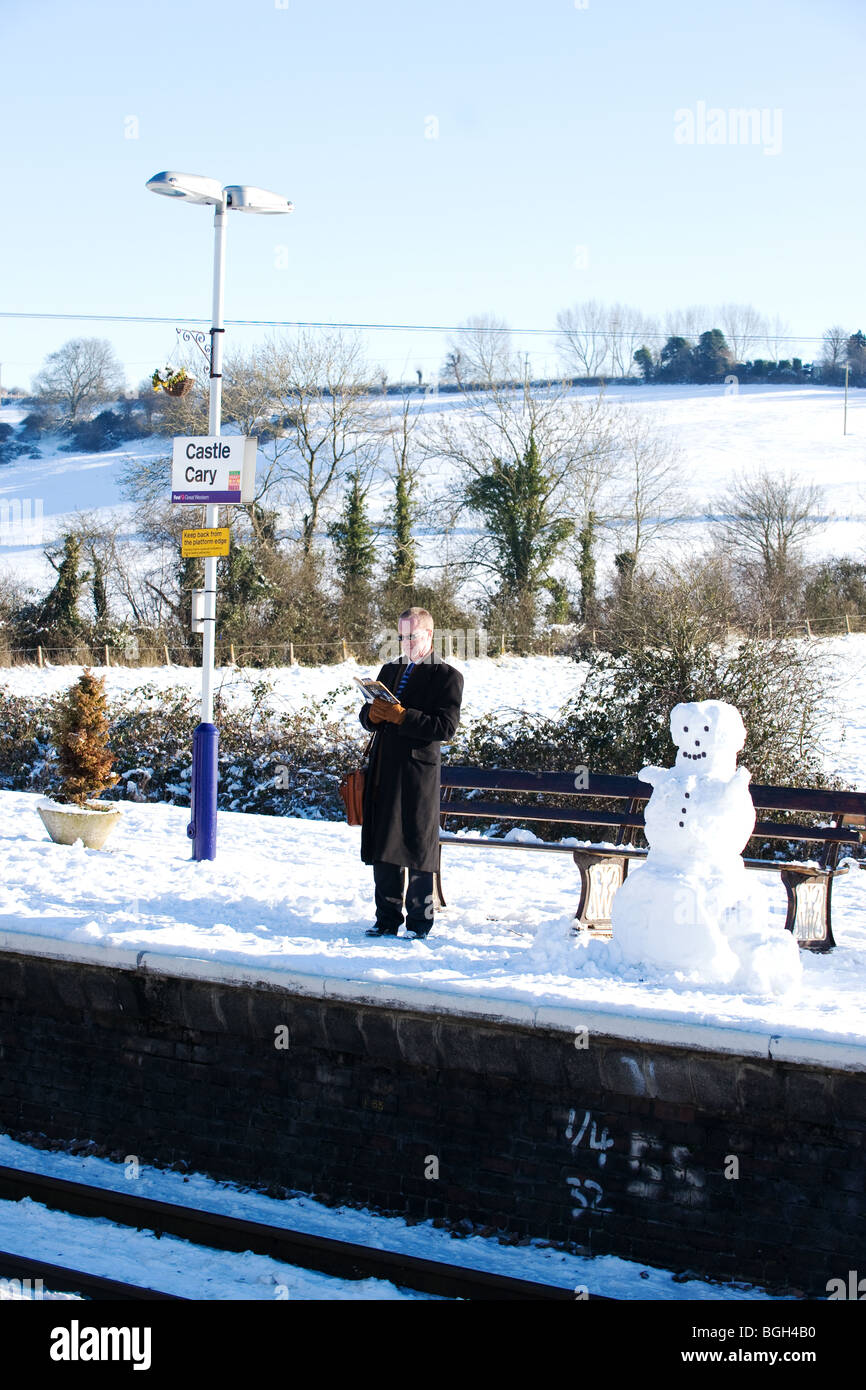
<point>586,541</point>
<point>354,557</point>
<point>855,353</point>
<point>98,590</point>
<point>675,360</point>
<point>558,609</point>
<point>352,537</point>
<point>513,499</point>
<point>58,613</point>
<point>644,359</point>
<point>711,359</point>
<point>401,571</point>
<point>84,756</point>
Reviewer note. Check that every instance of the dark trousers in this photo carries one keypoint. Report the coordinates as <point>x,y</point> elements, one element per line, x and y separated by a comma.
<point>388,879</point>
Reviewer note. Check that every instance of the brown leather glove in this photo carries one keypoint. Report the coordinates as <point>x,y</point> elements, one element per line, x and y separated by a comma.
<point>384,710</point>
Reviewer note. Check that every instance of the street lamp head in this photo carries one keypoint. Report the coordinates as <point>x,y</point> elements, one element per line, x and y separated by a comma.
<point>242,197</point>
<point>193,188</point>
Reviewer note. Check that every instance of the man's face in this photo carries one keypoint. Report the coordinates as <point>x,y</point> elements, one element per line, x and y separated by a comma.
<point>415,641</point>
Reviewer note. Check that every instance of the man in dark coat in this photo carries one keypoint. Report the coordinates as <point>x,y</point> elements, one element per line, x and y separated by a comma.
<point>400,826</point>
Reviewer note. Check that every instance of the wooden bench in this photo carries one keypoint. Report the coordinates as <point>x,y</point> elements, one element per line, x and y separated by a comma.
<point>603,866</point>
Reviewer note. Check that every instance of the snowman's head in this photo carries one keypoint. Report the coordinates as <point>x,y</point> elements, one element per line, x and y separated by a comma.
<point>708,734</point>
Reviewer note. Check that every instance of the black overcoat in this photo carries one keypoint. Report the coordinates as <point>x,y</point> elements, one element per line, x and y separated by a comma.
<point>402,786</point>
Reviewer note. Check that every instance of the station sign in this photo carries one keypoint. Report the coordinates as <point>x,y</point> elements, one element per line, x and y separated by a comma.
<point>214,469</point>
<point>207,541</point>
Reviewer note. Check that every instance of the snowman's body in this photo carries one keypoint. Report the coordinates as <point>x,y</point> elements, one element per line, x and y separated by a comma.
<point>692,906</point>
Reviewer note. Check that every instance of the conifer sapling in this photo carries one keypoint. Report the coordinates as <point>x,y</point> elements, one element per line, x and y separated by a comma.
<point>85,758</point>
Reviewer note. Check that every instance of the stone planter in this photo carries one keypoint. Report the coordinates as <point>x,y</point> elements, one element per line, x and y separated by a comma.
<point>91,824</point>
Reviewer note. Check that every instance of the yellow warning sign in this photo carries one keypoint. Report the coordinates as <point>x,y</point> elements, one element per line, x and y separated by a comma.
<point>212,540</point>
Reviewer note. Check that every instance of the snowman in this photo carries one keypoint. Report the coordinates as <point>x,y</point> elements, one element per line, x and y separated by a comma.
<point>692,906</point>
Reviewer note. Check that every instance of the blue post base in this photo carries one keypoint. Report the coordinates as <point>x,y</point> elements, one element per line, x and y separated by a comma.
<point>202,826</point>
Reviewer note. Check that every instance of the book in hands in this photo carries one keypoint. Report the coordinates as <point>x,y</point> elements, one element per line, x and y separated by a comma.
<point>375,690</point>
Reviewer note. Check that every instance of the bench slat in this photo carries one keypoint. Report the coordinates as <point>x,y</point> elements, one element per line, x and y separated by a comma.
<point>764,797</point>
<point>568,815</point>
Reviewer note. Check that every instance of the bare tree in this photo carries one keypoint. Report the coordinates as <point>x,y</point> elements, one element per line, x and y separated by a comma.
<point>763,521</point>
<point>484,352</point>
<point>626,329</point>
<point>583,343</point>
<point>689,323</point>
<point>743,327</point>
<point>81,374</point>
<point>326,425</point>
<point>651,485</point>
<point>777,337</point>
<point>834,350</point>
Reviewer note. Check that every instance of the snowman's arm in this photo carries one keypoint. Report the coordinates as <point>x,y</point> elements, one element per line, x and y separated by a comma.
<point>653,775</point>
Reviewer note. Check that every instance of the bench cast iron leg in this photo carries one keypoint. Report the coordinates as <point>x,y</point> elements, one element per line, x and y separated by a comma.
<point>600,876</point>
<point>809,908</point>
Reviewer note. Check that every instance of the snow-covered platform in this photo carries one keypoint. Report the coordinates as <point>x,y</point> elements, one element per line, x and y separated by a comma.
<point>288,900</point>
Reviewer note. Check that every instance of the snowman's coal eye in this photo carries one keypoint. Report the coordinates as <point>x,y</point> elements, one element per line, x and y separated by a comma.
<point>685,728</point>
<point>706,728</point>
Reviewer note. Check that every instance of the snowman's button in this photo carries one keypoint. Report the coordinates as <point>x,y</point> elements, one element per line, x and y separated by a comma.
<point>681,822</point>
<point>688,794</point>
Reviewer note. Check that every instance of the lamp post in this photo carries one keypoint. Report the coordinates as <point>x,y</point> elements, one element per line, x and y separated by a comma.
<point>193,188</point>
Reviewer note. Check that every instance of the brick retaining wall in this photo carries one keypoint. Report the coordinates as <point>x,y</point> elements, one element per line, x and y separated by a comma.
<point>615,1147</point>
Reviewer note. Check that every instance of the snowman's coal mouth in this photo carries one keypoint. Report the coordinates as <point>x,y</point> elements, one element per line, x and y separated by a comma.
<point>695,757</point>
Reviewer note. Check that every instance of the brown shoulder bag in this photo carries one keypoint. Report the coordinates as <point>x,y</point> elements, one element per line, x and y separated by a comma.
<point>352,789</point>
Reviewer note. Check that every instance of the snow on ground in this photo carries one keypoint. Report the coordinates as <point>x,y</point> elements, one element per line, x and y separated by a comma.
<point>292,895</point>
<point>176,1266</point>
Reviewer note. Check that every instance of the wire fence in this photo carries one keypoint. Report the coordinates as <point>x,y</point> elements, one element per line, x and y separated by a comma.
<point>150,652</point>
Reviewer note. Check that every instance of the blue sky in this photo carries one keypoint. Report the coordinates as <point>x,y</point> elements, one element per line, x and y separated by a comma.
<point>556,131</point>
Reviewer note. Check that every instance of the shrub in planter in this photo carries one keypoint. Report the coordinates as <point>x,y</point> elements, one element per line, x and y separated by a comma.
<point>84,760</point>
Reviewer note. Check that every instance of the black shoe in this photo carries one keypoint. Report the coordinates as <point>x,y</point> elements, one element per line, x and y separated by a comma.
<point>417,935</point>
<point>380,931</point>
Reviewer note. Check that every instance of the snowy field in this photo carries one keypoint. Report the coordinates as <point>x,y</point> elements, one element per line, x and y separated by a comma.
<point>796,429</point>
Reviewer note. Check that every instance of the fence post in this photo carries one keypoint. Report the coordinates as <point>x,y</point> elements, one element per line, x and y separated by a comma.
<point>291,653</point>
<point>808,628</point>
<point>345,650</point>
<point>39,656</point>
<point>167,661</point>
<point>770,622</point>
<point>847,624</point>
<point>107,655</point>
<point>502,644</point>
<point>232,653</point>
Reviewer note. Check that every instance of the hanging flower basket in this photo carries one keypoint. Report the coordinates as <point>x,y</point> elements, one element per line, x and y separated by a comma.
<point>173,383</point>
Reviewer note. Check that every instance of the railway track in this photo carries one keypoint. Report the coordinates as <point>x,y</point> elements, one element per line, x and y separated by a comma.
<point>335,1257</point>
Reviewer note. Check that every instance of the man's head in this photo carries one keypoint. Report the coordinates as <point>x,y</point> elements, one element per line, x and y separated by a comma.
<point>415,630</point>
